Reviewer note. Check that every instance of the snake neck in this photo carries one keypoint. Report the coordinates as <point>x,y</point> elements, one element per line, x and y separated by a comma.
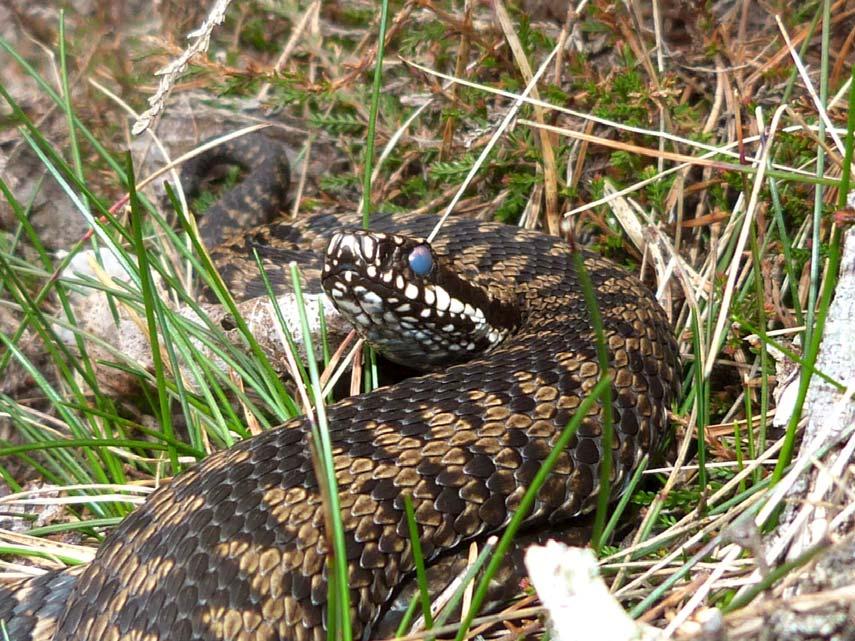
<point>500,304</point>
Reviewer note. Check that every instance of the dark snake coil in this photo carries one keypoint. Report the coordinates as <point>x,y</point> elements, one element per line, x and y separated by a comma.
<point>234,548</point>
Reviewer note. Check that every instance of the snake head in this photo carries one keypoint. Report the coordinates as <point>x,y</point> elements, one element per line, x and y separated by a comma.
<point>407,301</point>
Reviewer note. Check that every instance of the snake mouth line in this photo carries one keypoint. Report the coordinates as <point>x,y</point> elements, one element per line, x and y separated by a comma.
<point>344,271</point>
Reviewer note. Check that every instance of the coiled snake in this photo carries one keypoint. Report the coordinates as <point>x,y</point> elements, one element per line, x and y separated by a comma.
<point>233,548</point>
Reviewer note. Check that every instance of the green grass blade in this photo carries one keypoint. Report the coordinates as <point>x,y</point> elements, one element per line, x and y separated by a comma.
<point>66,101</point>
<point>74,526</point>
<point>701,405</point>
<point>153,314</point>
<point>372,116</point>
<point>324,446</point>
<point>418,560</point>
<point>605,492</point>
<point>830,281</point>
<point>624,499</point>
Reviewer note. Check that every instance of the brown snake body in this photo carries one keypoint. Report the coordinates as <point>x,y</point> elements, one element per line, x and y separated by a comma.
<point>234,547</point>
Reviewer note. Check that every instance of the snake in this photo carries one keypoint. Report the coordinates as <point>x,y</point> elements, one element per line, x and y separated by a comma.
<point>494,316</point>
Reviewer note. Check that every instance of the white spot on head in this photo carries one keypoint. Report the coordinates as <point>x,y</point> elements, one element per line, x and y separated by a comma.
<point>349,242</point>
<point>411,291</point>
<point>399,281</point>
<point>387,277</point>
<point>371,270</point>
<point>429,296</point>
<point>442,299</point>
<point>368,246</point>
<point>456,306</point>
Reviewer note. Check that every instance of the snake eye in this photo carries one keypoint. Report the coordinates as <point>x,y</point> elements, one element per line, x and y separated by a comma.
<point>421,261</point>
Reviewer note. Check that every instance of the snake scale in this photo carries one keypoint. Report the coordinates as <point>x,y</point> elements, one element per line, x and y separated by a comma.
<point>233,548</point>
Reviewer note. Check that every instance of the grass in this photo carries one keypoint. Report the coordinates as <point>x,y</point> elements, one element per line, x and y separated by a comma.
<point>731,228</point>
